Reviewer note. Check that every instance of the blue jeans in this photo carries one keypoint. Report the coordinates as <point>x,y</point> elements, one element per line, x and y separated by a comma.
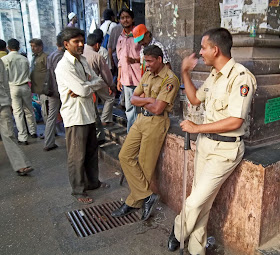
<point>130,110</point>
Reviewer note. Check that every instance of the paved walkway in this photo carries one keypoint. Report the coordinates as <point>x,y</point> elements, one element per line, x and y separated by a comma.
<point>32,211</point>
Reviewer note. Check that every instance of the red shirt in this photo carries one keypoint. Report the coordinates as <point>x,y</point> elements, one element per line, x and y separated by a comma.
<point>130,73</point>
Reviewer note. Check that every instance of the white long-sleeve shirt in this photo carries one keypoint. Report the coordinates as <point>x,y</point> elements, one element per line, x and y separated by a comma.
<point>75,75</point>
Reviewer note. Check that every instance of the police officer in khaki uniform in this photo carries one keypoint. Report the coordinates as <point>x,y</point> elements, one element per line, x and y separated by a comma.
<point>138,157</point>
<point>227,94</point>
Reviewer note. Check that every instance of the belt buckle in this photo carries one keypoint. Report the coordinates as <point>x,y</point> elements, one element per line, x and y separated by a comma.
<point>207,135</point>
<point>146,113</point>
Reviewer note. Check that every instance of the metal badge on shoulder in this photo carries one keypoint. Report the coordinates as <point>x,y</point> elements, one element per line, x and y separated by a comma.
<point>244,90</point>
<point>169,87</point>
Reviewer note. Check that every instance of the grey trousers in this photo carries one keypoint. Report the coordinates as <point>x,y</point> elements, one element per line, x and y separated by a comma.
<point>82,150</point>
<point>54,106</point>
<point>108,100</point>
<point>44,106</point>
<point>16,156</point>
<point>22,109</point>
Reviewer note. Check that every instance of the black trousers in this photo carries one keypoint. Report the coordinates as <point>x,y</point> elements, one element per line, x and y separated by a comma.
<point>82,150</point>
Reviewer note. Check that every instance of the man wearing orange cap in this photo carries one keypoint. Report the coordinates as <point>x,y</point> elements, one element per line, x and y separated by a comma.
<point>145,38</point>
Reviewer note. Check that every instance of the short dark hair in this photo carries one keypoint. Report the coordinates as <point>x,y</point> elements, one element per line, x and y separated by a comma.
<point>13,44</point>
<point>37,42</point>
<point>153,51</point>
<point>93,39</point>
<point>221,38</point>
<point>98,32</point>
<point>108,14</point>
<point>130,12</point>
<point>3,45</point>
<point>71,32</point>
<point>59,41</point>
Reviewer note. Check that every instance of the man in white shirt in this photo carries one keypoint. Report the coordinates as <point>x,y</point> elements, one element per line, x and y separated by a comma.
<point>109,23</point>
<point>17,67</point>
<point>76,84</point>
<point>17,158</point>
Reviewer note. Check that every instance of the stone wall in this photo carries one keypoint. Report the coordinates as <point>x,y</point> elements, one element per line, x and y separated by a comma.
<point>11,22</point>
<point>246,211</point>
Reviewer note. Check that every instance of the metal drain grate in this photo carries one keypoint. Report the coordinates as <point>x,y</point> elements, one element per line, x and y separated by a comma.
<point>92,220</point>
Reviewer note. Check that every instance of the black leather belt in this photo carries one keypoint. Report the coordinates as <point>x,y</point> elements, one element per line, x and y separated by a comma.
<point>221,138</point>
<point>149,114</point>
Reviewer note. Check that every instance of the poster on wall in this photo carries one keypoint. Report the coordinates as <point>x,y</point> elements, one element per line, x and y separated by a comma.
<point>256,7</point>
<point>273,3</point>
<point>231,14</point>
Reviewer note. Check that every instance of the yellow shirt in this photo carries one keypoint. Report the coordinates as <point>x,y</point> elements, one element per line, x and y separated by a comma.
<point>162,86</point>
<point>228,93</point>
<point>3,53</point>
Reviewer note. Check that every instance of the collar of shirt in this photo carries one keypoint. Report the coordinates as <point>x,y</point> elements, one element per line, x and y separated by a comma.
<point>73,60</point>
<point>70,57</point>
<point>88,47</point>
<point>127,35</point>
<point>162,73</point>
<point>226,68</point>
<point>152,42</point>
<point>13,52</point>
<point>37,54</point>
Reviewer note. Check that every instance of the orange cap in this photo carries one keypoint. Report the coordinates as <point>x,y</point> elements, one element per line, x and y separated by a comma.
<point>139,32</point>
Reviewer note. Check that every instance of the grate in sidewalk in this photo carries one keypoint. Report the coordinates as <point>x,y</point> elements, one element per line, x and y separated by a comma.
<point>93,220</point>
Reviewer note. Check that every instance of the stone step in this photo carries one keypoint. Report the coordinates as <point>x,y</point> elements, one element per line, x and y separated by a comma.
<point>272,247</point>
<point>114,138</point>
<point>109,152</point>
<point>116,133</point>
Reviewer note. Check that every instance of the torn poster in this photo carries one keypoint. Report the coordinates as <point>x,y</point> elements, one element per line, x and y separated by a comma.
<point>231,14</point>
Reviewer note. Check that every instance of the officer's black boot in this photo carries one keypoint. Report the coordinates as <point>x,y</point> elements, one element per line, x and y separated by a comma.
<point>173,243</point>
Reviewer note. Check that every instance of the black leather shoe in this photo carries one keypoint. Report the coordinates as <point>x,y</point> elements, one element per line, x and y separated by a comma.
<point>123,210</point>
<point>23,142</point>
<point>148,205</point>
<point>34,135</point>
<point>173,243</point>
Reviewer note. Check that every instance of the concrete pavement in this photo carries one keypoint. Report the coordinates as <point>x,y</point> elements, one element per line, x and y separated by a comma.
<point>33,207</point>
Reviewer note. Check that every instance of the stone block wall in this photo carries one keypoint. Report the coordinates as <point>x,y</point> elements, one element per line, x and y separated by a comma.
<point>11,22</point>
<point>246,211</point>
<point>47,24</point>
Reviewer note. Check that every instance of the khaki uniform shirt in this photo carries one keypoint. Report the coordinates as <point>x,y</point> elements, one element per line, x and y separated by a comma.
<point>228,93</point>
<point>163,86</point>
<point>38,72</point>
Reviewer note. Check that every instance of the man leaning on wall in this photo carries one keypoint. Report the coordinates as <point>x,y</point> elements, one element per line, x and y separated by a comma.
<point>227,93</point>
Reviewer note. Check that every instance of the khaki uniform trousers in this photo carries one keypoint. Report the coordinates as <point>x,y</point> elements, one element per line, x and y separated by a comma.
<point>139,155</point>
<point>214,162</point>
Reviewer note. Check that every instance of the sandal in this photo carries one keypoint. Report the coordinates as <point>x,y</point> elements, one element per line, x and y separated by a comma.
<point>24,171</point>
<point>83,199</point>
<point>102,185</point>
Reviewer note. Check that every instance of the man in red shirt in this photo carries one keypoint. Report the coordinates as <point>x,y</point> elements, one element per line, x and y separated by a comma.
<point>129,73</point>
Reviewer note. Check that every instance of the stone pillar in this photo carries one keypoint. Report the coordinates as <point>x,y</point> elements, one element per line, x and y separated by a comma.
<point>42,21</point>
<point>92,12</point>
<point>11,22</point>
